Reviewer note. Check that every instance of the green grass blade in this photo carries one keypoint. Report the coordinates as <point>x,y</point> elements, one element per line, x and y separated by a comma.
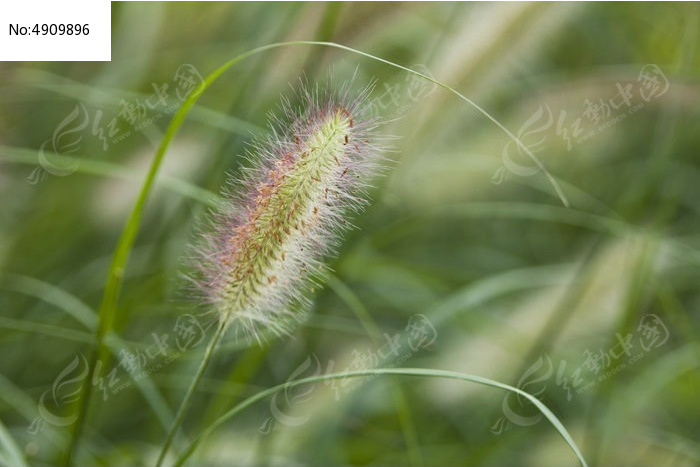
<point>108,305</point>
<point>505,210</point>
<point>89,166</point>
<point>498,285</point>
<point>420,372</point>
<point>50,330</point>
<point>76,308</point>
<point>50,294</point>
<point>26,406</point>
<point>144,383</point>
<point>110,98</point>
<point>182,410</point>
<point>10,451</point>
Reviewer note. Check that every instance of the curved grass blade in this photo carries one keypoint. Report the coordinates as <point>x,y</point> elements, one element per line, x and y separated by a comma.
<point>420,372</point>
<point>108,305</point>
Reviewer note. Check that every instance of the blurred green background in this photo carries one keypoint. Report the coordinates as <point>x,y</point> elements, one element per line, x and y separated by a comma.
<point>594,308</point>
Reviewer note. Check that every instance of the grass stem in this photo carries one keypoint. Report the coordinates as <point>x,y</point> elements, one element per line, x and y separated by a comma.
<point>179,417</point>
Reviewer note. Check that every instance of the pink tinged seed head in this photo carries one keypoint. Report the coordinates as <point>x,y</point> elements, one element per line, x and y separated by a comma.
<point>286,215</point>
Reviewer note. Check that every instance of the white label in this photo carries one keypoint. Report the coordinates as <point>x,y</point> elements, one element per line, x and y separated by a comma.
<point>59,30</point>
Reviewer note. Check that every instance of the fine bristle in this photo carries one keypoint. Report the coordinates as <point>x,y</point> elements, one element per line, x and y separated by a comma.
<point>264,248</point>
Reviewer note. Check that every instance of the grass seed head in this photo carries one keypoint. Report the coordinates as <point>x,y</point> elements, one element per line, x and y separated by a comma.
<point>268,242</point>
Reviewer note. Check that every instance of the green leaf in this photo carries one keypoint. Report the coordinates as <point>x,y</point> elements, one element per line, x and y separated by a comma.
<point>421,372</point>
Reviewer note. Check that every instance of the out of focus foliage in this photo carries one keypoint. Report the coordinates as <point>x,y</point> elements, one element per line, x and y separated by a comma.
<point>594,308</point>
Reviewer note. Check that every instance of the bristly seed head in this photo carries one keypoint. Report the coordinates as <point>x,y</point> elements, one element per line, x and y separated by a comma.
<point>280,222</point>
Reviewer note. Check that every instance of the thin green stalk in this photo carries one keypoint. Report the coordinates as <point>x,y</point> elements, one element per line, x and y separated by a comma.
<point>180,416</point>
<point>247,363</point>
<point>423,372</point>
<point>108,305</point>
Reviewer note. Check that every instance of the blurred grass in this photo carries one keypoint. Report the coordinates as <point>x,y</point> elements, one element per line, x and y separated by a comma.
<point>503,271</point>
